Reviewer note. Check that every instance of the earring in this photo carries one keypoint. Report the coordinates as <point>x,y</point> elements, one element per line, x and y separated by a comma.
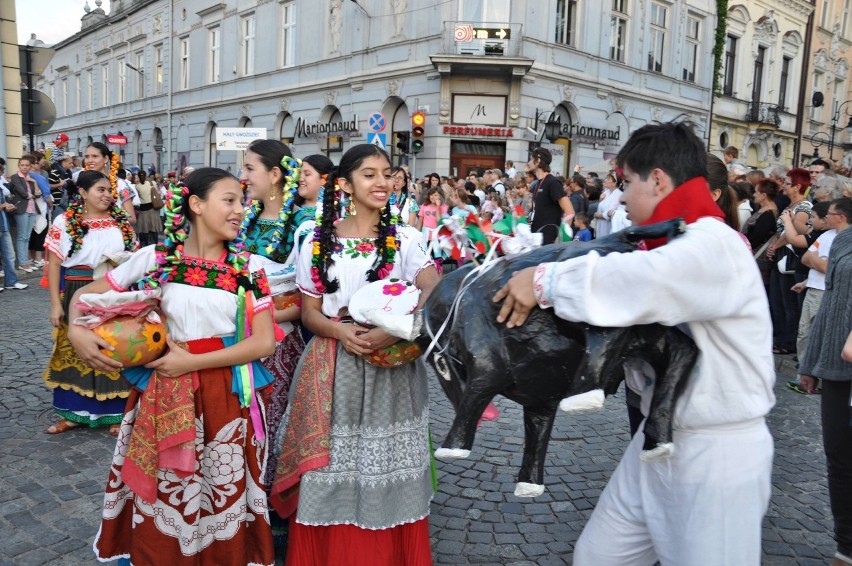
<point>272,193</point>
<point>352,211</point>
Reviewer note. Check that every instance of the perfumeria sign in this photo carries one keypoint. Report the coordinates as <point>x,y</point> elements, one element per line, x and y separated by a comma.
<point>318,130</point>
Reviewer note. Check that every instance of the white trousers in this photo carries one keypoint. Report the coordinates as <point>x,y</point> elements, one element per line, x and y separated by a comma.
<point>702,507</point>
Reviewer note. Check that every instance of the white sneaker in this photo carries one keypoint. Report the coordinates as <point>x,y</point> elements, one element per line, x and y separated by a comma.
<point>27,268</point>
<point>39,263</point>
<point>18,286</point>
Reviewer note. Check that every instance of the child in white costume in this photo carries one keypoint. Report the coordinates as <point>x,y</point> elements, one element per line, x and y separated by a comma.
<point>704,504</point>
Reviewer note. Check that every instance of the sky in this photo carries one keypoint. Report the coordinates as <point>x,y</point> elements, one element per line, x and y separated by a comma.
<point>51,20</point>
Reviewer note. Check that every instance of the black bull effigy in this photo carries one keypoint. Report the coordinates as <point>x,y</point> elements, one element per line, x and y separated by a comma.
<point>548,358</point>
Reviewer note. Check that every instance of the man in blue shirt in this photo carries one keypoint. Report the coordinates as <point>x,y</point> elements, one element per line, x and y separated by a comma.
<point>7,250</point>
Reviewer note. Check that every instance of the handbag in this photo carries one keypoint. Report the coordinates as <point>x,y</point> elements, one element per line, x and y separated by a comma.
<point>788,260</point>
<point>156,198</point>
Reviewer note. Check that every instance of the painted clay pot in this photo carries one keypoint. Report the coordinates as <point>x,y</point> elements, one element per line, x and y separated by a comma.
<point>135,340</point>
<point>399,354</point>
<point>286,300</point>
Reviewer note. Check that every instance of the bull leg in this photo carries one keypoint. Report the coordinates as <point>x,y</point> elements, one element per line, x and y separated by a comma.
<point>538,424</point>
<point>680,355</point>
<point>459,440</point>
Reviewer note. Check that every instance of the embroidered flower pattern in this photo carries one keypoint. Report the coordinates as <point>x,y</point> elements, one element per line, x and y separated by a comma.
<point>196,276</point>
<point>394,289</point>
<point>261,282</point>
<point>356,248</point>
<point>226,282</point>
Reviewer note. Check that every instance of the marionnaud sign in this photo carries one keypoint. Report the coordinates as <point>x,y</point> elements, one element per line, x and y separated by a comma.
<point>237,139</point>
<point>344,129</point>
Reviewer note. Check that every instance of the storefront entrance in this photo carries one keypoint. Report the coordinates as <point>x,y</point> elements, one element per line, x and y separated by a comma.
<point>466,157</point>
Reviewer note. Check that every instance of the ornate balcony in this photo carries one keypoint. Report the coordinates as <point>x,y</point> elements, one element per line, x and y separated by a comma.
<point>763,113</point>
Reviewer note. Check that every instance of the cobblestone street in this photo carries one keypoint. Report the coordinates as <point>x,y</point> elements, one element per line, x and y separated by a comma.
<point>51,486</point>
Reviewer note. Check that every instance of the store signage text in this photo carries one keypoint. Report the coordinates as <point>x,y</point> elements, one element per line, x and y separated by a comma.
<point>479,131</point>
<point>575,130</point>
<point>318,130</point>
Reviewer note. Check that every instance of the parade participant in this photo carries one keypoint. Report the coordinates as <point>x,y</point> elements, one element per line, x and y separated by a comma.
<point>80,241</point>
<point>703,504</point>
<point>185,484</point>
<point>315,170</point>
<point>271,177</point>
<point>361,480</point>
<point>98,157</point>
<point>401,202</point>
<point>431,215</point>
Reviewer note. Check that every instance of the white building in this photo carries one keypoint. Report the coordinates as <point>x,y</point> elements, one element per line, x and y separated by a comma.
<point>488,74</point>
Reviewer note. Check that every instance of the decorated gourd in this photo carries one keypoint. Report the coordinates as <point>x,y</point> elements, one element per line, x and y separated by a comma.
<point>393,296</point>
<point>135,340</point>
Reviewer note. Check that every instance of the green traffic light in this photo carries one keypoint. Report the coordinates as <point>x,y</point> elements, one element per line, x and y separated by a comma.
<point>416,146</point>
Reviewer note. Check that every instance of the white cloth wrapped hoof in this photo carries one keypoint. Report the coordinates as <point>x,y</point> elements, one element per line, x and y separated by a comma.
<point>660,452</point>
<point>451,453</point>
<point>526,489</point>
<point>589,401</point>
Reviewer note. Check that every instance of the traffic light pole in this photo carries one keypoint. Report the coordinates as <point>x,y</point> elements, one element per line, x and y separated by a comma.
<point>28,58</point>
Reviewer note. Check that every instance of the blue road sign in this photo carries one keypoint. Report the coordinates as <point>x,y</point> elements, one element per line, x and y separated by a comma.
<point>378,140</point>
<point>377,122</point>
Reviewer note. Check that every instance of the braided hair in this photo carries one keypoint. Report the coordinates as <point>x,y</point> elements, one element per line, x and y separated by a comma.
<point>75,225</point>
<point>325,240</point>
<point>274,154</point>
<point>177,226</point>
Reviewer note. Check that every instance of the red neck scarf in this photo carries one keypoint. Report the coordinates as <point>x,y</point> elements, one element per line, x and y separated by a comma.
<point>690,201</point>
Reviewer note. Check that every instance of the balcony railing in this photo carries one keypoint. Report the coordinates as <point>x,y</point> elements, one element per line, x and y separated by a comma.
<point>763,113</point>
<point>488,40</point>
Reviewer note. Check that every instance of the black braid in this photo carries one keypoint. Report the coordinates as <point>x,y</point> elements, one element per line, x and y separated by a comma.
<point>327,237</point>
<point>381,244</point>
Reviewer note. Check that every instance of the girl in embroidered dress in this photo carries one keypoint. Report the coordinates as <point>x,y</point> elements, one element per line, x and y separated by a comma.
<point>401,202</point>
<point>185,486</point>
<point>80,244</point>
<point>271,178</point>
<point>355,455</point>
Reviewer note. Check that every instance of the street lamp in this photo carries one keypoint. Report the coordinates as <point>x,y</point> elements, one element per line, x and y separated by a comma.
<point>817,143</point>
<point>834,119</point>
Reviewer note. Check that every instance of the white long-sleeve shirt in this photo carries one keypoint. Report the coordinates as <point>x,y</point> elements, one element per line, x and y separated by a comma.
<point>706,279</point>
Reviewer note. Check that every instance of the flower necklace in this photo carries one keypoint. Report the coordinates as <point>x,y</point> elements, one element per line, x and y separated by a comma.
<point>74,220</point>
<point>289,192</point>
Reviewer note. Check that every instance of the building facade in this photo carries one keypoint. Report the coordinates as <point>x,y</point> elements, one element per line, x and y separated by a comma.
<point>829,100</point>
<point>759,107</point>
<point>491,76</point>
<point>11,131</point>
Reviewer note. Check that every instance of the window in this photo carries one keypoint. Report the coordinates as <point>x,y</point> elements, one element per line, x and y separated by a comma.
<point>52,91</point>
<point>64,97</point>
<point>90,90</point>
<point>105,85</point>
<point>78,99</point>
<point>140,74</point>
<point>845,19</point>
<point>782,89</point>
<point>757,81</point>
<point>618,30</point>
<point>247,48</point>
<point>122,81</point>
<point>730,65</point>
<point>213,44</point>
<point>288,34</point>
<point>824,18</point>
<point>184,63</point>
<point>690,57</point>
<point>658,37</point>
<point>158,69</point>
<point>566,22</point>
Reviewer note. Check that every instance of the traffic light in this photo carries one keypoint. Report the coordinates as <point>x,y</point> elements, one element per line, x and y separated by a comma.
<point>418,124</point>
<point>402,139</point>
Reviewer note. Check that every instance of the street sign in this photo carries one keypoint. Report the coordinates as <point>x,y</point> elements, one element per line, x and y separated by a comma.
<point>466,32</point>
<point>237,139</point>
<point>116,139</point>
<point>44,111</point>
<point>377,139</point>
<point>376,122</point>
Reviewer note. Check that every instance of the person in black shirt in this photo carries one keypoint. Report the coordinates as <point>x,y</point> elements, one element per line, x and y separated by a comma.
<point>62,187</point>
<point>550,203</point>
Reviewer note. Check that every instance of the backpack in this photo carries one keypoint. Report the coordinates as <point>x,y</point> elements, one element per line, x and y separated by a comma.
<point>156,198</point>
